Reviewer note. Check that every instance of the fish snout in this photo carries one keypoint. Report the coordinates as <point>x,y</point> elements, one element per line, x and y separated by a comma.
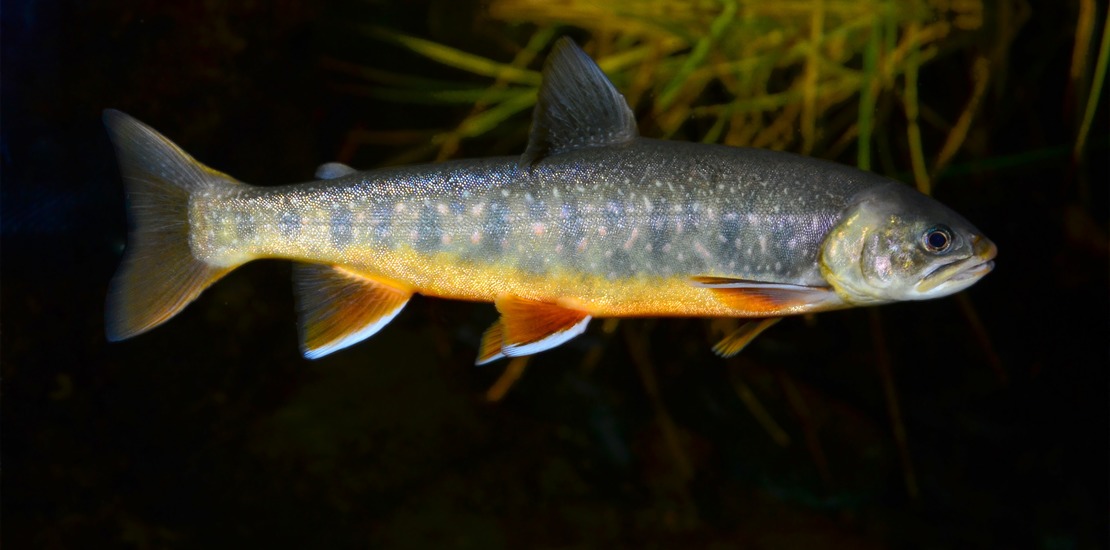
<point>983,247</point>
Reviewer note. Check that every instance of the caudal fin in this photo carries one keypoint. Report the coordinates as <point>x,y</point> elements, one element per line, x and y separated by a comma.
<point>159,274</point>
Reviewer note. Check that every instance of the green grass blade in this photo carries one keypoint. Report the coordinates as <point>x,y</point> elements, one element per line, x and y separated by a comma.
<point>1096,88</point>
<point>456,58</point>
<point>867,96</point>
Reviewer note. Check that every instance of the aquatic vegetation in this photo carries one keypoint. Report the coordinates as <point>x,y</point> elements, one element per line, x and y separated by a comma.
<point>803,75</point>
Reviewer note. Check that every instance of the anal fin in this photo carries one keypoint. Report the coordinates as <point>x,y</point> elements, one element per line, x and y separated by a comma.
<point>737,340</point>
<point>339,308</point>
<point>529,326</point>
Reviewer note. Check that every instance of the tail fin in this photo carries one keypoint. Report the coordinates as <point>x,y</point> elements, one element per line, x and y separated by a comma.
<point>159,275</point>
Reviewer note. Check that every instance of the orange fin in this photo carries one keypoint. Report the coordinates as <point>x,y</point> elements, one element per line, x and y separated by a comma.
<point>765,299</point>
<point>739,339</point>
<point>490,348</point>
<point>339,308</point>
<point>529,326</point>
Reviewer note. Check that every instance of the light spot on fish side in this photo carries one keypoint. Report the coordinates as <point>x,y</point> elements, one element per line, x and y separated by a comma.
<point>702,251</point>
<point>632,239</point>
<point>244,225</point>
<point>729,228</point>
<point>572,225</point>
<point>537,210</point>
<point>614,216</point>
<point>341,229</point>
<point>289,224</point>
<point>382,219</point>
<point>496,226</point>
<point>428,232</point>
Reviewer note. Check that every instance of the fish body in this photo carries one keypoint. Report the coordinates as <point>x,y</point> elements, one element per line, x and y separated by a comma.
<point>592,221</point>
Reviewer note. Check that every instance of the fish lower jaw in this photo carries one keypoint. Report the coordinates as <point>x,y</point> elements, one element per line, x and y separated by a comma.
<point>941,280</point>
<point>855,295</point>
<point>953,283</point>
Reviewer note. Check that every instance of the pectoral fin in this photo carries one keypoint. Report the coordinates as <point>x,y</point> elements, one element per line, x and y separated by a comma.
<point>761,299</point>
<point>529,326</point>
<point>739,339</point>
<point>339,308</point>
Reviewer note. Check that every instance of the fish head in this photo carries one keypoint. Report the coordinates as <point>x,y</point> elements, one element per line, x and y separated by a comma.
<point>895,244</point>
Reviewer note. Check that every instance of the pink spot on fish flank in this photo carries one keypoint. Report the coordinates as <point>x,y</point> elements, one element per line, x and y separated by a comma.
<point>632,238</point>
<point>702,251</point>
<point>538,229</point>
<point>475,238</point>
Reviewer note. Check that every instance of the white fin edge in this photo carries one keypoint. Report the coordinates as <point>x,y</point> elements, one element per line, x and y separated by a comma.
<point>354,337</point>
<point>553,340</point>
<point>491,359</point>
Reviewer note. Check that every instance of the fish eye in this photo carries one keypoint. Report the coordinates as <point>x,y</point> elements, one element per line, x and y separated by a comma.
<point>937,239</point>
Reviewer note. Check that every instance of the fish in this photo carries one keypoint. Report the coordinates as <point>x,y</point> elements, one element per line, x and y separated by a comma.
<point>591,221</point>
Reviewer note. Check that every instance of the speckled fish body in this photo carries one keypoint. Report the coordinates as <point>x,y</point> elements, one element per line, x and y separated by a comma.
<point>617,230</point>
<point>591,221</point>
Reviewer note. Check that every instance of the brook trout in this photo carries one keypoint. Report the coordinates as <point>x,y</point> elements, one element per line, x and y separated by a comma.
<point>591,221</point>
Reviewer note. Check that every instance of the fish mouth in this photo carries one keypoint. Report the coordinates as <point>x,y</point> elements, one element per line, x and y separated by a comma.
<point>961,274</point>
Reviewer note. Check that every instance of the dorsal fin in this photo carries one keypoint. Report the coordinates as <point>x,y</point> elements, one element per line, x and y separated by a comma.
<point>332,170</point>
<point>577,107</point>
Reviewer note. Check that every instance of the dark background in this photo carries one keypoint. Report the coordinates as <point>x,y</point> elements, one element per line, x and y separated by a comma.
<point>212,430</point>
